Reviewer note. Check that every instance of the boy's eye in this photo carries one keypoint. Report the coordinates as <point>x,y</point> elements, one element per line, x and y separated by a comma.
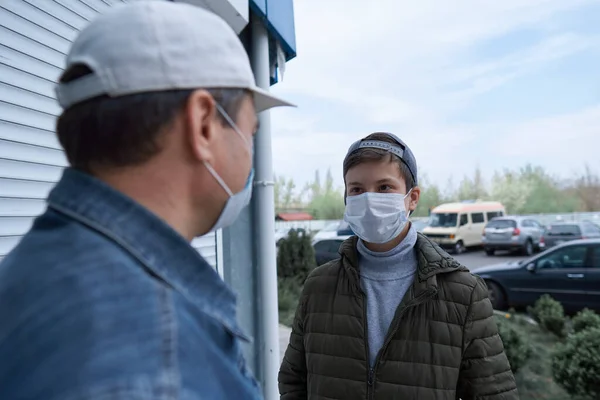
<point>385,188</point>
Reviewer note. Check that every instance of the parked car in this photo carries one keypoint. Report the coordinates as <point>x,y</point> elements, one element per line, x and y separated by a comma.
<point>419,223</point>
<point>281,234</point>
<point>595,221</point>
<point>344,229</point>
<point>329,231</point>
<point>514,234</point>
<point>456,226</point>
<point>563,232</point>
<point>328,249</point>
<point>569,272</point>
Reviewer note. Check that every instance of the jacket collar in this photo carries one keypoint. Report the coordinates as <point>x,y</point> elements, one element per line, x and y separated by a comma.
<point>431,261</point>
<point>161,250</point>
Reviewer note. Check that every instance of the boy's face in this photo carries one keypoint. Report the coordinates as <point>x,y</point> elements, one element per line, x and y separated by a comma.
<point>379,177</point>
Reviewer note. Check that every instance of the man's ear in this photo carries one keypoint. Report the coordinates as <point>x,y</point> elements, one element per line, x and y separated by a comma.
<point>414,197</point>
<point>201,124</point>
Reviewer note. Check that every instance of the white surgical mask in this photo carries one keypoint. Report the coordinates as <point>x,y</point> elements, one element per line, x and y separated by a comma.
<point>377,217</point>
<point>236,201</point>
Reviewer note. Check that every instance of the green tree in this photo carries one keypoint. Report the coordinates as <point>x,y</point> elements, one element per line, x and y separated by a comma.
<point>325,200</point>
<point>285,194</point>
<point>587,189</point>
<point>296,256</point>
<point>472,188</point>
<point>431,197</point>
<point>544,194</point>
<point>449,192</point>
<point>509,189</point>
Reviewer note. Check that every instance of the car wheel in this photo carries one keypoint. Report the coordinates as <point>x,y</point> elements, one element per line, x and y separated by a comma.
<point>459,247</point>
<point>528,249</point>
<point>490,252</point>
<point>496,295</point>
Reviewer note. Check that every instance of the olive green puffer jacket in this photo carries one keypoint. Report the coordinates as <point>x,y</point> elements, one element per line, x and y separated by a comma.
<point>442,344</point>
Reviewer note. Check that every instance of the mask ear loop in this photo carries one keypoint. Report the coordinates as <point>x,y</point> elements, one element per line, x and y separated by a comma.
<point>249,148</point>
<point>409,212</point>
<point>234,127</point>
<point>219,180</point>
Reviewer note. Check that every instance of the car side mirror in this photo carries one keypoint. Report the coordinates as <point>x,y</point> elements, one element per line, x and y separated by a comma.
<point>530,267</point>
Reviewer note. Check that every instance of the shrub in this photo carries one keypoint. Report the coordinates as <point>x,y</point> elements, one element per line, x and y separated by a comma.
<point>550,314</point>
<point>576,364</point>
<point>585,319</point>
<point>289,290</point>
<point>516,346</point>
<point>296,256</point>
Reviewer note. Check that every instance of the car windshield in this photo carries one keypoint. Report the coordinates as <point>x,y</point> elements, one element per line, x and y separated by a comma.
<point>502,224</point>
<point>564,230</point>
<point>443,220</point>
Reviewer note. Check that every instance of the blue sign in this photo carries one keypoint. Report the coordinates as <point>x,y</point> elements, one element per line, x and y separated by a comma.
<point>278,17</point>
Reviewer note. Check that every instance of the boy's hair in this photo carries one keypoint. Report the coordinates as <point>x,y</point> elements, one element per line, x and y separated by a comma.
<point>373,155</point>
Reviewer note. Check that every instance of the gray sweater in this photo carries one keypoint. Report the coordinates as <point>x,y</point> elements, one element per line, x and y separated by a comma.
<point>385,278</point>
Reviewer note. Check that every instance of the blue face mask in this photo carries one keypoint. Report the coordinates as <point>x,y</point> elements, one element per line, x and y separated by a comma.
<point>236,201</point>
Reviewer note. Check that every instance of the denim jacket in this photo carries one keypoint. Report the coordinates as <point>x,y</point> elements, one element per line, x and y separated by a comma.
<point>103,300</point>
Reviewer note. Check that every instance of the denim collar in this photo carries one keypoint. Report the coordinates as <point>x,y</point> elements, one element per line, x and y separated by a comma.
<point>162,251</point>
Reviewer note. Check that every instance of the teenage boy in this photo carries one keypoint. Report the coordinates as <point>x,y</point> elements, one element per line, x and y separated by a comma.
<point>395,317</point>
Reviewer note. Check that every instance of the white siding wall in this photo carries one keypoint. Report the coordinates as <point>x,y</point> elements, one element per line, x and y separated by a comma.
<point>34,38</point>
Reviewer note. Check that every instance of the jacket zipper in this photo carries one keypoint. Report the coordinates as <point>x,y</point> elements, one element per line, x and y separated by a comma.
<point>396,324</point>
<point>367,351</point>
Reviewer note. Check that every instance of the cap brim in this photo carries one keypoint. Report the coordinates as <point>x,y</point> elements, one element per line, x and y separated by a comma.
<point>264,100</point>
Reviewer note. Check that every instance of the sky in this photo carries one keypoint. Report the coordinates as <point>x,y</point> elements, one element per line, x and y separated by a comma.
<point>465,83</point>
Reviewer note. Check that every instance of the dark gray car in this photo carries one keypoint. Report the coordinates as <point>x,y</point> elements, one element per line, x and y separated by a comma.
<point>564,232</point>
<point>513,233</point>
<point>569,272</point>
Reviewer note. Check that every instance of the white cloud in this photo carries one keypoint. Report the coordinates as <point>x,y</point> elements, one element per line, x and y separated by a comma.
<point>488,75</point>
<point>299,157</point>
<point>407,67</point>
<point>555,141</point>
<point>562,143</point>
<point>385,40</point>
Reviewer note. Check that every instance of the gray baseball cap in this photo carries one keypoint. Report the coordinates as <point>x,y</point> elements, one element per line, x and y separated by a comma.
<point>400,150</point>
<point>151,46</point>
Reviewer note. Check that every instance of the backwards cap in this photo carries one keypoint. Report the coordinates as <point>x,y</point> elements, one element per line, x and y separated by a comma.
<point>400,150</point>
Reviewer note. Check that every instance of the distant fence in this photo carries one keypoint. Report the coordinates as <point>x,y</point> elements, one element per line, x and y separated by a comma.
<point>313,225</point>
<point>547,219</point>
<point>544,219</point>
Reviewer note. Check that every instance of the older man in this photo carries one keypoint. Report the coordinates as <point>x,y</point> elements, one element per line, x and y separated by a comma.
<point>104,298</point>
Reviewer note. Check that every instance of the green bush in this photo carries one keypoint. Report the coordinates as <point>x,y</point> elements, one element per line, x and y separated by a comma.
<point>576,364</point>
<point>516,346</point>
<point>289,290</point>
<point>296,256</point>
<point>585,319</point>
<point>550,314</point>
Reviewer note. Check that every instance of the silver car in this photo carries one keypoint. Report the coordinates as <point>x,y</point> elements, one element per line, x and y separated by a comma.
<point>514,234</point>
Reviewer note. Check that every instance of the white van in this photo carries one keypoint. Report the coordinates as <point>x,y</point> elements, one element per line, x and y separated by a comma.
<point>456,226</point>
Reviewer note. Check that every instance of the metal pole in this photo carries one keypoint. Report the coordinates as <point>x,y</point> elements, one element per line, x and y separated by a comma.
<point>264,218</point>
